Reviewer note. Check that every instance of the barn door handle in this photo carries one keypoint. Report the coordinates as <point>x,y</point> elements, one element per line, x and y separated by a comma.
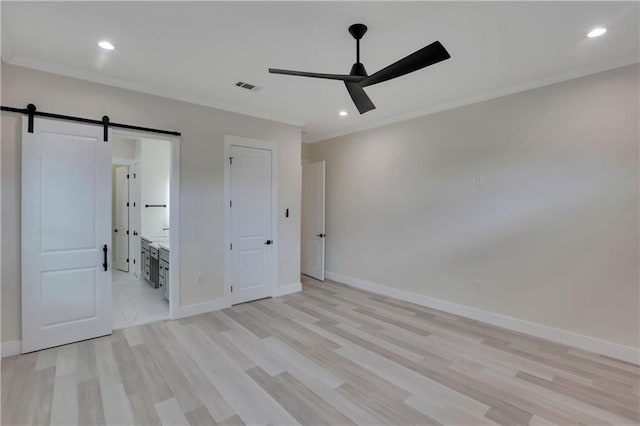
<point>321,235</point>
<point>268,242</point>
<point>104,251</point>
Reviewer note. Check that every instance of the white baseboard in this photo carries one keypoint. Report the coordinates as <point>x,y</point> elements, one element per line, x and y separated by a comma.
<point>11,348</point>
<point>283,290</point>
<point>200,308</point>
<point>592,344</point>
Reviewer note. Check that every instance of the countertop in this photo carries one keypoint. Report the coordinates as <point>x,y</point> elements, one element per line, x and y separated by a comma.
<point>158,242</point>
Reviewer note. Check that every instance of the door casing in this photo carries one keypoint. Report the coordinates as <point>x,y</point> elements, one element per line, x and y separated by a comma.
<point>229,141</point>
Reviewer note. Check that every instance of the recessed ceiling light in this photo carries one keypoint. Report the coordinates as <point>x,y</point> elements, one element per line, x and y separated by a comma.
<point>343,113</point>
<point>596,32</point>
<point>106,45</point>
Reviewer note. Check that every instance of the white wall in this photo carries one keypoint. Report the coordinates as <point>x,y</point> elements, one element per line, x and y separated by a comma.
<point>201,177</point>
<point>155,161</point>
<point>552,234</point>
<point>123,148</point>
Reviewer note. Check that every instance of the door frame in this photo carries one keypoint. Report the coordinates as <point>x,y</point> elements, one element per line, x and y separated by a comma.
<point>174,211</point>
<point>229,141</point>
<point>128,163</point>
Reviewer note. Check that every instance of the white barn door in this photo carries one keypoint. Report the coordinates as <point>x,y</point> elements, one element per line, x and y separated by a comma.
<point>313,212</point>
<point>66,234</point>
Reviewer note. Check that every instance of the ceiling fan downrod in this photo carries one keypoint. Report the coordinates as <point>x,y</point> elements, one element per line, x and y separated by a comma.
<point>358,31</point>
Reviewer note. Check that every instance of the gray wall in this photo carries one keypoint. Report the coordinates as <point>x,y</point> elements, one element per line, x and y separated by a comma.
<point>552,235</point>
<point>201,176</point>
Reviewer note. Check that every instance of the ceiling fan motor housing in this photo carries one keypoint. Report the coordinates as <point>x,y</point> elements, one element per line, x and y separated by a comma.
<point>358,69</point>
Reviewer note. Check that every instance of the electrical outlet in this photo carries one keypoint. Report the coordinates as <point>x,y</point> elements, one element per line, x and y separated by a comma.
<point>199,280</point>
<point>479,180</point>
<point>477,285</point>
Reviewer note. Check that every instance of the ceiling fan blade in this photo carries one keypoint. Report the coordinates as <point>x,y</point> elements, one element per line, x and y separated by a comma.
<point>360,98</point>
<point>342,77</point>
<point>428,55</point>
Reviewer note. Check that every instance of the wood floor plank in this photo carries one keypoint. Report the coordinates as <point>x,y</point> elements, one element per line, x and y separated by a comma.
<point>19,386</point>
<point>43,394</point>
<point>86,360</point>
<point>231,350</point>
<point>200,416</point>
<point>170,413</point>
<point>143,408</point>
<point>47,358</point>
<point>133,336</point>
<point>330,354</point>
<point>64,406</point>
<point>301,402</point>
<point>90,409</point>
<point>386,410</point>
<point>116,405</point>
<point>248,400</point>
<point>171,373</point>
<point>203,388</point>
<point>295,363</point>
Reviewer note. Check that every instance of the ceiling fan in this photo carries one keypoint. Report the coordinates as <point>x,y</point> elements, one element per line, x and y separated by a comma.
<point>358,77</point>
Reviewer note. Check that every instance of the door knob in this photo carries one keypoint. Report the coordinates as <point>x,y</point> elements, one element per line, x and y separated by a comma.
<point>321,235</point>
<point>268,242</point>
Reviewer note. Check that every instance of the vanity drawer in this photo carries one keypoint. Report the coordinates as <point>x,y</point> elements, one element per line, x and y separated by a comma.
<point>162,270</point>
<point>144,244</point>
<point>164,255</point>
<point>154,252</point>
<point>161,281</point>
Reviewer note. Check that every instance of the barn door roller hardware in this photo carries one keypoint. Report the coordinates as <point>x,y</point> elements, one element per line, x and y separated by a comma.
<point>30,111</point>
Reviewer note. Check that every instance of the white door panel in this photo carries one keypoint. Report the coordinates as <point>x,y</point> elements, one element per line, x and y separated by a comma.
<point>251,210</point>
<point>121,249</point>
<point>66,221</point>
<point>313,219</point>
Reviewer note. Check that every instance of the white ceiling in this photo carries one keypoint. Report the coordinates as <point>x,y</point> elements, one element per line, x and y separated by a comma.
<point>196,51</point>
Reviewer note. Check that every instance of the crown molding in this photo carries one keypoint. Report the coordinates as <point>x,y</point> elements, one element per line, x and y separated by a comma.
<point>510,90</point>
<point>484,96</point>
<point>96,77</point>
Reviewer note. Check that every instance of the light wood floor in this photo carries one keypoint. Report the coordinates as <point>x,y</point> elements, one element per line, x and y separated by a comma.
<point>329,355</point>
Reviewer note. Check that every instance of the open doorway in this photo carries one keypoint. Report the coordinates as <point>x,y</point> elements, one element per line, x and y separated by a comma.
<point>141,182</point>
<point>313,220</point>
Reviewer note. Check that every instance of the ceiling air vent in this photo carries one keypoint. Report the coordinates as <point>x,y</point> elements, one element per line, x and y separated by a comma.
<point>247,86</point>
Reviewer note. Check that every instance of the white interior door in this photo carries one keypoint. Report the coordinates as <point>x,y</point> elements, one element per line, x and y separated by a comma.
<point>313,231</point>
<point>66,234</point>
<point>251,233</point>
<point>121,230</point>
